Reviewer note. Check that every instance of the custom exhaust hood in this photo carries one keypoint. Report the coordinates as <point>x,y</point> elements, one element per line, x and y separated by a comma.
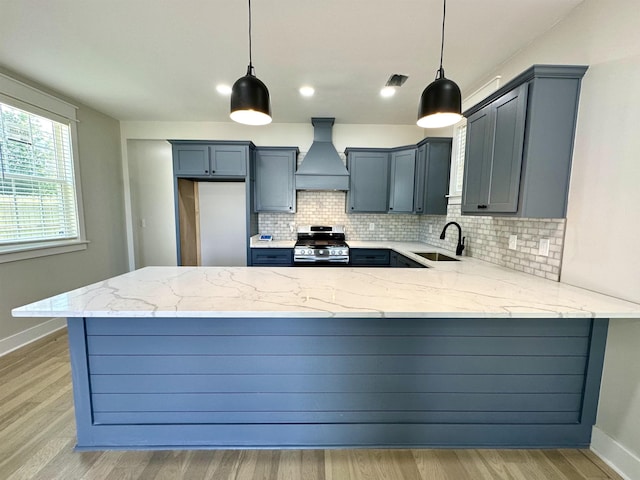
<point>322,168</point>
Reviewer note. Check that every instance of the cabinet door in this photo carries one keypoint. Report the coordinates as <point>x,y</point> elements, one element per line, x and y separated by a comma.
<point>475,189</point>
<point>275,191</point>
<point>401,184</point>
<point>191,160</point>
<point>368,182</point>
<point>506,159</point>
<point>433,167</point>
<point>277,257</point>
<point>229,160</point>
<point>369,257</point>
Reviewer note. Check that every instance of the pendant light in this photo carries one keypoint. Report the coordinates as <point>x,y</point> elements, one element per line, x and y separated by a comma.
<point>250,103</point>
<point>441,102</point>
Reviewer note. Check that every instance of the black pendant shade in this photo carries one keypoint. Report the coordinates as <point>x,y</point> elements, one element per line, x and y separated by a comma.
<point>441,102</point>
<point>250,102</point>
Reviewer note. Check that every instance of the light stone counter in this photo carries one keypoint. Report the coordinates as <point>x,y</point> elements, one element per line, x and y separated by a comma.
<point>470,288</point>
<point>255,243</point>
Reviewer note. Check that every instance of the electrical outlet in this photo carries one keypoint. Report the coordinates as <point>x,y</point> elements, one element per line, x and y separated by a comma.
<point>513,242</point>
<point>292,227</point>
<point>430,228</point>
<point>543,247</point>
<point>372,227</point>
<point>143,222</point>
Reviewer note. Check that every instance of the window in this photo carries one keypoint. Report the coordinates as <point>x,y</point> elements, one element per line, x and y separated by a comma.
<point>457,160</point>
<point>37,194</point>
<point>40,212</point>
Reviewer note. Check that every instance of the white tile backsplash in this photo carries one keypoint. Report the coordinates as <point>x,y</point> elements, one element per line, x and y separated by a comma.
<point>329,208</point>
<point>487,238</point>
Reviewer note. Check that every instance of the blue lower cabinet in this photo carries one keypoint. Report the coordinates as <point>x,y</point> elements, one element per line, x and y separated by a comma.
<point>400,261</point>
<point>274,257</point>
<point>369,257</point>
<point>335,382</point>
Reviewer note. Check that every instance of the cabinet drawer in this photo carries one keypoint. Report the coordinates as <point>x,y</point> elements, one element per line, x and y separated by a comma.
<point>282,257</point>
<point>369,257</point>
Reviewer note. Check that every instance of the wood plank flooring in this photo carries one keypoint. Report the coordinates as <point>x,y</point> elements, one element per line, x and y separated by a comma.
<point>37,436</point>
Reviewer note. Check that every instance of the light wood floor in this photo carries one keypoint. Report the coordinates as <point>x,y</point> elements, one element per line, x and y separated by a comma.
<point>37,435</point>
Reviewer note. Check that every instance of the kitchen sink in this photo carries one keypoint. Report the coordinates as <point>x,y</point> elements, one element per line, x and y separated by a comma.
<point>437,257</point>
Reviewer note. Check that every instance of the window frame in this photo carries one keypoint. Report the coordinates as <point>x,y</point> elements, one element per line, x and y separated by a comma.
<point>25,97</point>
<point>457,173</point>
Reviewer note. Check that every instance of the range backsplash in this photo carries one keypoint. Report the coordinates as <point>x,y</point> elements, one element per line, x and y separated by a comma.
<point>328,208</point>
<point>487,238</point>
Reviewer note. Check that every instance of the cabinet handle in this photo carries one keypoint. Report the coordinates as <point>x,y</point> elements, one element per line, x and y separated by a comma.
<point>390,208</point>
<point>206,171</point>
<point>482,206</point>
<point>290,207</point>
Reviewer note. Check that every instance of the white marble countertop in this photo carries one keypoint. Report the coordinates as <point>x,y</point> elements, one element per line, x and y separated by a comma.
<point>255,243</point>
<point>469,288</point>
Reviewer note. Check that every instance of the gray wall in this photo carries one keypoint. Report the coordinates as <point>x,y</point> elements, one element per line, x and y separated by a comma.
<point>25,281</point>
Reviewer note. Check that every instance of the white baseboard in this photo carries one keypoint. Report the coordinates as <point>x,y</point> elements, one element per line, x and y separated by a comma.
<point>32,334</point>
<point>624,462</point>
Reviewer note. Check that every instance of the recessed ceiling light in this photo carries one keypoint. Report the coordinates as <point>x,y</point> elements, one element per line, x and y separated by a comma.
<point>388,91</point>
<point>223,89</point>
<point>307,91</point>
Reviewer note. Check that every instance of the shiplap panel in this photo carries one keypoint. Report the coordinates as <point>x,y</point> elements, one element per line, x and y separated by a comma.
<point>455,418</point>
<point>334,345</point>
<point>313,402</point>
<point>338,381</point>
<point>314,383</point>
<point>346,364</point>
<point>497,327</point>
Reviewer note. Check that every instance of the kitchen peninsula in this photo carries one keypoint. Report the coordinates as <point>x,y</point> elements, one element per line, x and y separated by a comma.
<point>458,355</point>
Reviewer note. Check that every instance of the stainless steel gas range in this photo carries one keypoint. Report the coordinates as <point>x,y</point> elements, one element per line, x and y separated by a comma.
<point>319,245</point>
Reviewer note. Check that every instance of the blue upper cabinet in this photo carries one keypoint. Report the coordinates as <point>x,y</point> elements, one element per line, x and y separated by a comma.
<point>519,145</point>
<point>274,179</point>
<point>191,160</point>
<point>229,160</point>
<point>411,179</point>
<point>433,166</point>
<point>197,159</point>
<point>368,180</point>
<point>402,179</point>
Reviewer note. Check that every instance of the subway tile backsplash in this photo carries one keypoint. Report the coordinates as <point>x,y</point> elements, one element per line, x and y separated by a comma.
<point>487,238</point>
<point>329,208</point>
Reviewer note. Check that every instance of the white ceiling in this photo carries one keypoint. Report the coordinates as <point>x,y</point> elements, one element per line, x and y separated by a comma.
<point>161,59</point>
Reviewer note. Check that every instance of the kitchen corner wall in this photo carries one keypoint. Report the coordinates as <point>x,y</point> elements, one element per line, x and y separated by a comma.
<point>487,238</point>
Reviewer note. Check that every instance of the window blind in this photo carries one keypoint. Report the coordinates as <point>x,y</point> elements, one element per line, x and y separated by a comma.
<point>37,191</point>
<point>461,139</point>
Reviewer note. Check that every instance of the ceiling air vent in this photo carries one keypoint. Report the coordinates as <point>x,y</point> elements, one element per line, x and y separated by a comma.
<point>396,80</point>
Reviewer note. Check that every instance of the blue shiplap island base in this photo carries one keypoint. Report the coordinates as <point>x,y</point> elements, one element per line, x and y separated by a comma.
<point>198,383</point>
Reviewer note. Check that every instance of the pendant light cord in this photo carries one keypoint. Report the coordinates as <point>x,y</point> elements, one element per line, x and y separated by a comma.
<point>440,73</point>
<point>250,58</point>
